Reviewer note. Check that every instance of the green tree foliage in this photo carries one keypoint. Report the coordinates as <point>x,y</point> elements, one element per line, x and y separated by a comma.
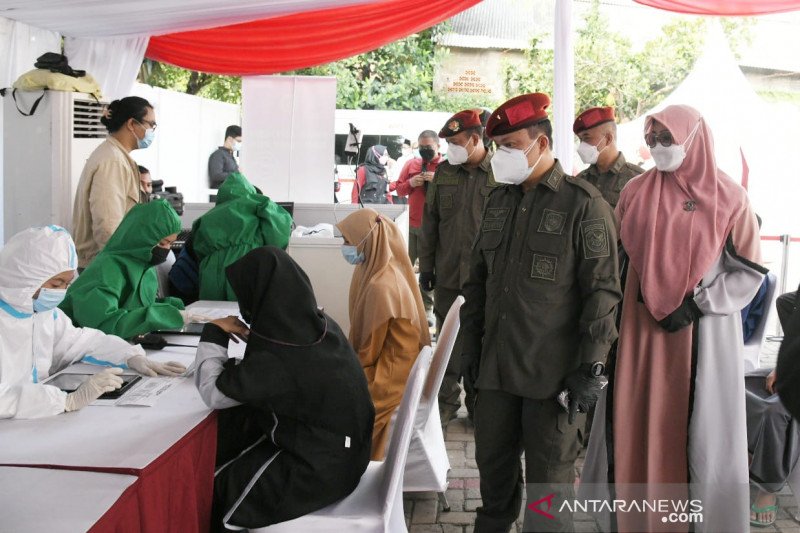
<point>224,88</point>
<point>609,72</point>
<point>396,76</point>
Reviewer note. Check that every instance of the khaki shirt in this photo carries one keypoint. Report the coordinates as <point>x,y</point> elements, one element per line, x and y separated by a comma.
<point>453,206</point>
<point>543,285</point>
<point>611,182</point>
<point>107,190</point>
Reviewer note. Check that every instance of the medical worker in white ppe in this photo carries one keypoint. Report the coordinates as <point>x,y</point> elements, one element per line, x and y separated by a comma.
<point>37,339</point>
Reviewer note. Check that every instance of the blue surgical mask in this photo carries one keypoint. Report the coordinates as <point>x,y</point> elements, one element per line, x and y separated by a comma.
<point>48,299</point>
<point>147,140</point>
<point>350,251</point>
<point>352,255</point>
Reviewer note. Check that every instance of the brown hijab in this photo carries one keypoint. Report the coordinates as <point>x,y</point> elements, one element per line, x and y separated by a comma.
<point>383,286</point>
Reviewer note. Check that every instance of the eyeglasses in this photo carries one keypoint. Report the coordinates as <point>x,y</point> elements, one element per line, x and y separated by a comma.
<point>664,137</point>
<point>152,125</point>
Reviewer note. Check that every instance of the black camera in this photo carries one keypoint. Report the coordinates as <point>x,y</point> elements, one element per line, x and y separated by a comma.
<point>170,194</point>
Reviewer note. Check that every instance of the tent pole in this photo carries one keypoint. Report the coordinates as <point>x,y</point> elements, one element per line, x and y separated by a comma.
<point>564,84</point>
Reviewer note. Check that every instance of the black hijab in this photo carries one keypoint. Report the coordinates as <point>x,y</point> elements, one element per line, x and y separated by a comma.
<point>275,296</point>
<point>375,178</point>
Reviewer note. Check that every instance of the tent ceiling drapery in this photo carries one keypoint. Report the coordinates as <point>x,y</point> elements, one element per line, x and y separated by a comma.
<point>728,8</point>
<point>301,40</point>
<point>128,18</point>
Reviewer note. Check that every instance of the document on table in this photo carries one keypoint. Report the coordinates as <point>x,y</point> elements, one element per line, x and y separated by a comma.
<point>144,394</point>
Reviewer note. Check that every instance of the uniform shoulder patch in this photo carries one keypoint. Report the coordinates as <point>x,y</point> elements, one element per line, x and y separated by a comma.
<point>595,238</point>
<point>587,187</point>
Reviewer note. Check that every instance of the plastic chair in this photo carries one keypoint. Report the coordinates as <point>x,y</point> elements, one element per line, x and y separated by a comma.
<point>427,464</point>
<point>377,503</point>
<point>752,348</point>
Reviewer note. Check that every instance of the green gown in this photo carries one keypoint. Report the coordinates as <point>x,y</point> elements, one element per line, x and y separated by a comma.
<point>241,221</point>
<point>117,291</point>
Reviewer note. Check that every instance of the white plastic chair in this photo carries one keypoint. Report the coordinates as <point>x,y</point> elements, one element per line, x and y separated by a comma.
<point>752,348</point>
<point>376,506</point>
<point>427,464</point>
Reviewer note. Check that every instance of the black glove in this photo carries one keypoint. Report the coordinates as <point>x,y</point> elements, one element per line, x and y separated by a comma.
<point>584,390</point>
<point>427,281</point>
<point>470,365</point>
<point>684,315</point>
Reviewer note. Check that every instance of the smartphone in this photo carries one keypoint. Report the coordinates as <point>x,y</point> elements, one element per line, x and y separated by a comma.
<point>71,382</point>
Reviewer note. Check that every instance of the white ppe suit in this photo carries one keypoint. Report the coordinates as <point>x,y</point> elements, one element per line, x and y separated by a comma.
<point>35,345</point>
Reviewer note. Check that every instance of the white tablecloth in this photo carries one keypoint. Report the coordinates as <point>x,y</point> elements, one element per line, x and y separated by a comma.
<point>41,499</point>
<point>108,437</point>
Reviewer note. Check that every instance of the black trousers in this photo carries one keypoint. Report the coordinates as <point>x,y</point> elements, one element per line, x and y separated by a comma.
<point>505,426</point>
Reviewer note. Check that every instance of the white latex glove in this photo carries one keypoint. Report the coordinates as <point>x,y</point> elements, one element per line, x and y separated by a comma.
<point>189,317</point>
<point>94,387</point>
<point>147,367</point>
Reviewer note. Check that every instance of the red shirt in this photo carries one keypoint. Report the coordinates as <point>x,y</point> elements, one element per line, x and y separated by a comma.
<point>416,195</point>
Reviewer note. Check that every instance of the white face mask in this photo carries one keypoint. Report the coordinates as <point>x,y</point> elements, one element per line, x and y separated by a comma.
<point>510,165</point>
<point>237,145</point>
<point>458,155</point>
<point>589,152</point>
<point>669,158</point>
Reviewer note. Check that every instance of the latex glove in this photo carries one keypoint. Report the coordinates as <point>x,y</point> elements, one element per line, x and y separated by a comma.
<point>584,390</point>
<point>94,387</point>
<point>147,367</point>
<point>189,317</point>
<point>684,315</point>
<point>470,365</point>
<point>427,281</point>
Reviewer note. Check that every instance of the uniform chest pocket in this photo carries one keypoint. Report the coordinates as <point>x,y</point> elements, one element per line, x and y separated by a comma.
<point>447,198</point>
<point>544,264</point>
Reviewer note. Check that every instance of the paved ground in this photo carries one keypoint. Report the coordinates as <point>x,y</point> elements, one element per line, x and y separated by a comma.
<point>424,514</point>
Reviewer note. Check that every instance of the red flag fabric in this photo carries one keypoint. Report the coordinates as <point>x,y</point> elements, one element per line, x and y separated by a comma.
<point>729,8</point>
<point>302,39</point>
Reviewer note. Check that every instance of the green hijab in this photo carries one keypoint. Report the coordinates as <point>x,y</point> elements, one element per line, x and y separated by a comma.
<point>117,291</point>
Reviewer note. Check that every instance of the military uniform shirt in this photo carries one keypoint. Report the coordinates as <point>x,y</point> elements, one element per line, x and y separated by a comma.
<point>453,206</point>
<point>611,182</point>
<point>543,285</point>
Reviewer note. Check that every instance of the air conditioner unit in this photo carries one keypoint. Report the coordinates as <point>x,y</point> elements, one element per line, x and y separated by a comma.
<point>44,155</point>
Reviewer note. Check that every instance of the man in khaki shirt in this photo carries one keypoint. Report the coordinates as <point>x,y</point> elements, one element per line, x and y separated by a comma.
<point>109,184</point>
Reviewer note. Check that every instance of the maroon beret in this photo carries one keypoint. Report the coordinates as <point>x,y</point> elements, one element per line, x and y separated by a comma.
<point>592,117</point>
<point>459,122</point>
<point>519,112</point>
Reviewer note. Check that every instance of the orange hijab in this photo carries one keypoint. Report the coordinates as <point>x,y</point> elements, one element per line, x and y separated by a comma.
<point>383,286</point>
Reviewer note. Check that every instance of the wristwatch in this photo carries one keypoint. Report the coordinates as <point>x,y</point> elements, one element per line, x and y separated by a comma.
<point>597,369</point>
